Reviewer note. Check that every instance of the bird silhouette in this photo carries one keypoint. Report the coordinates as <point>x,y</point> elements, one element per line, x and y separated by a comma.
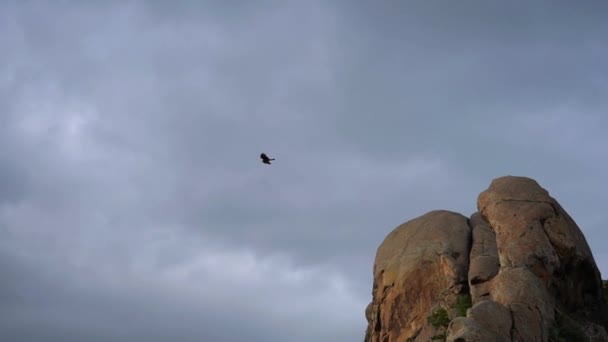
<point>265,158</point>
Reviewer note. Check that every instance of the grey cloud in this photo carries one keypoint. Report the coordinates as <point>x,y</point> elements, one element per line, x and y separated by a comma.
<point>130,135</point>
<point>446,67</point>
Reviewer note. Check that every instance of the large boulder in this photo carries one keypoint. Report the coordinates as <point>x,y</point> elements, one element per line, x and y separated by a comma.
<point>521,260</point>
<point>542,252</point>
<point>420,267</point>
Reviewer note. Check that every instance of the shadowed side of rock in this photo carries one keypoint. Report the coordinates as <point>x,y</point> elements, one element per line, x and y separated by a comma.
<point>485,263</point>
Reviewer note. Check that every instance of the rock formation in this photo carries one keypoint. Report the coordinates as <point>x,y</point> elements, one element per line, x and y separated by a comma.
<point>519,269</point>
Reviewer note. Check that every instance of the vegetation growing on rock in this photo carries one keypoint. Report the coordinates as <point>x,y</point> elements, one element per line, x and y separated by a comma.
<point>439,318</point>
<point>463,303</point>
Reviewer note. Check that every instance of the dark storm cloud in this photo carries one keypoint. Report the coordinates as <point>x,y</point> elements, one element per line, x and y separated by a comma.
<point>135,133</point>
<point>450,70</point>
<point>38,306</point>
<point>131,189</point>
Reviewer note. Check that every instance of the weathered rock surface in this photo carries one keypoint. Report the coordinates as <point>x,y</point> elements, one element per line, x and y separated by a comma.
<point>521,259</point>
<point>486,321</point>
<point>421,265</point>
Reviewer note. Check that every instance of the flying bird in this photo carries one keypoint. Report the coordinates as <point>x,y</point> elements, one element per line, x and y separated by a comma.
<point>265,158</point>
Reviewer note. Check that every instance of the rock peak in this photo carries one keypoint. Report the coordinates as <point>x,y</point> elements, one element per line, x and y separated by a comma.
<point>513,188</point>
<point>519,269</point>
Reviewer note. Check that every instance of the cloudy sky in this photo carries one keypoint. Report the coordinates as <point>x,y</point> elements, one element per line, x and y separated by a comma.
<point>133,206</point>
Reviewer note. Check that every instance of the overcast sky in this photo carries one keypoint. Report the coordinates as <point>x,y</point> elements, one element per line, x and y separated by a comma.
<point>134,207</point>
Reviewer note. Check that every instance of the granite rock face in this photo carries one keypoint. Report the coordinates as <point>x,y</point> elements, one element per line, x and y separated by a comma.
<point>420,266</point>
<point>520,265</point>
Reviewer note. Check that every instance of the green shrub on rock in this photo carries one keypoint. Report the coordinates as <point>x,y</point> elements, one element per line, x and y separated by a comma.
<point>439,318</point>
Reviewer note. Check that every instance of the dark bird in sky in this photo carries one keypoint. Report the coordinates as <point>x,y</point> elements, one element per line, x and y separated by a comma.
<point>265,158</point>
